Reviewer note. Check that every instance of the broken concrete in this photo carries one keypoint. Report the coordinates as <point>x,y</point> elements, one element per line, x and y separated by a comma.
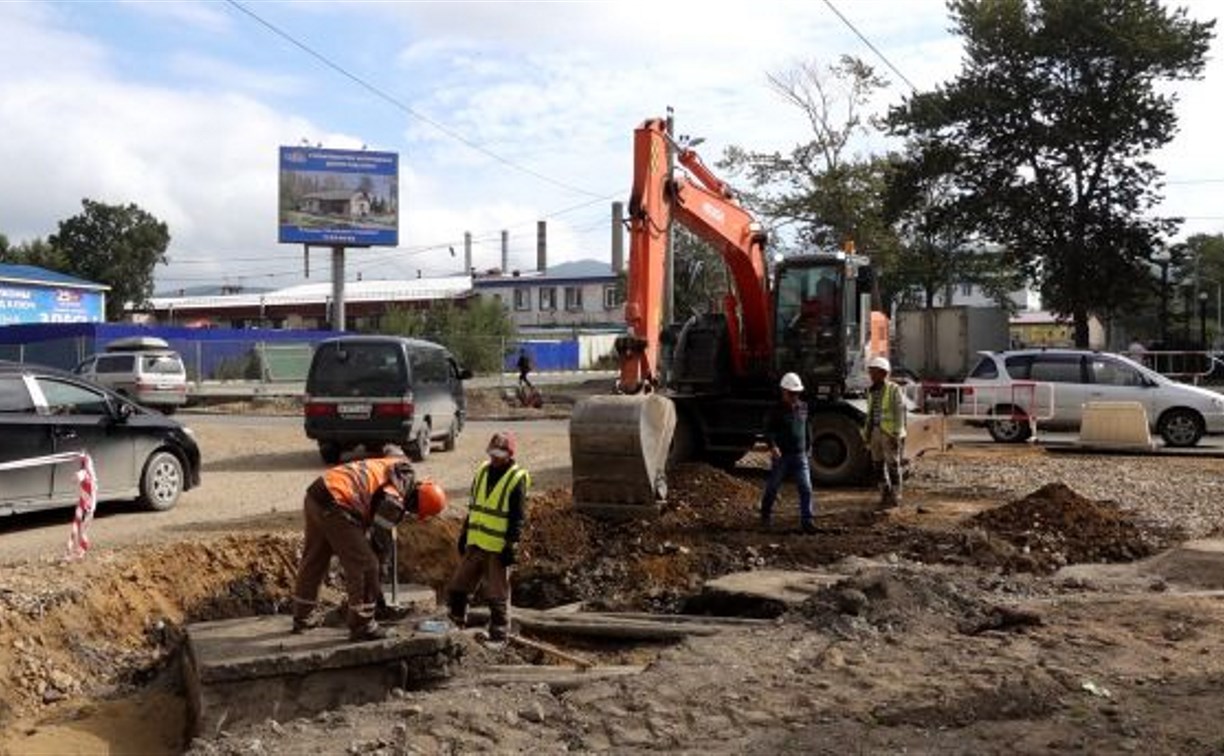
<point>252,669</point>
<point>788,587</point>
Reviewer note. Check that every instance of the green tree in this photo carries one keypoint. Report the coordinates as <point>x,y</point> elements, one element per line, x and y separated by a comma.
<point>479,332</point>
<point>34,252</point>
<point>1050,122</point>
<point>701,276</point>
<point>822,193</point>
<point>115,245</point>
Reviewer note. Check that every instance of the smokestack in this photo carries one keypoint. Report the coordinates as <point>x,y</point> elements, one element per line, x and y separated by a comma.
<point>505,266</point>
<point>618,237</point>
<point>542,246</point>
<point>467,252</point>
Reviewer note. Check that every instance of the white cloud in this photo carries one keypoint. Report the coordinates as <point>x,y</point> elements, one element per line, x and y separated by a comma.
<point>190,133</point>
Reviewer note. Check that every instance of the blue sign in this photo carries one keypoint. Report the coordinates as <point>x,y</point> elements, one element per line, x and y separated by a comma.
<point>338,197</point>
<point>37,304</point>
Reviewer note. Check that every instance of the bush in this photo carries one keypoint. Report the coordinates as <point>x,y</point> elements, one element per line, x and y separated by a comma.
<point>480,333</point>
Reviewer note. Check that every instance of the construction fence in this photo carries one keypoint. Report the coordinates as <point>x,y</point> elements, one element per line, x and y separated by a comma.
<point>269,356</point>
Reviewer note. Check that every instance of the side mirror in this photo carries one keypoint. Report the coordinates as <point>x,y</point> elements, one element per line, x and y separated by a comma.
<point>122,411</point>
<point>465,374</point>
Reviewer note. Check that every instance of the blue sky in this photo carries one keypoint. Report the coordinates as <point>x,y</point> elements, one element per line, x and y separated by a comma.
<point>179,107</point>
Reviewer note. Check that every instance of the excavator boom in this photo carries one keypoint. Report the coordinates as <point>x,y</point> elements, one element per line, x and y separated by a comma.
<point>619,444</point>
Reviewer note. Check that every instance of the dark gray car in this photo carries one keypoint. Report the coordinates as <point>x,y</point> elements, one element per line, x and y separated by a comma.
<point>372,390</point>
<point>137,453</point>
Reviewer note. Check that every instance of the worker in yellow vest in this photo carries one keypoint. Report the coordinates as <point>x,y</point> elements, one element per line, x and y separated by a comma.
<point>884,429</point>
<point>490,536</point>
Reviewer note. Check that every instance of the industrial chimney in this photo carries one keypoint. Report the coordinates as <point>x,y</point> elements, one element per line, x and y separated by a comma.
<point>542,246</point>
<point>618,237</point>
<point>505,238</point>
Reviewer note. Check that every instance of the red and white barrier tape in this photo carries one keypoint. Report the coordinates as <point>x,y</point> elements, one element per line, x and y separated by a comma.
<point>87,502</point>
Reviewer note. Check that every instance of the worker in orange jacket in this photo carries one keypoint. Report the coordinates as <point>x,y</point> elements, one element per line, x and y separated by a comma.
<point>351,511</point>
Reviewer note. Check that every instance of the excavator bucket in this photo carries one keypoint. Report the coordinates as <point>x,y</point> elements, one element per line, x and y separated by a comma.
<point>618,448</point>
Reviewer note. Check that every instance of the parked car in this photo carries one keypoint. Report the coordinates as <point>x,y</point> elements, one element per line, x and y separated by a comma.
<point>143,368</point>
<point>1179,413</point>
<point>137,453</point>
<point>372,390</point>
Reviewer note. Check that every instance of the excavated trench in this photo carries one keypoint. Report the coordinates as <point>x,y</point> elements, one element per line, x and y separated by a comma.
<point>102,637</point>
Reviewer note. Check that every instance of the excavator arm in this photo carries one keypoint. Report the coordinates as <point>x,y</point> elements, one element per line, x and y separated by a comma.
<point>705,207</point>
<point>619,444</point>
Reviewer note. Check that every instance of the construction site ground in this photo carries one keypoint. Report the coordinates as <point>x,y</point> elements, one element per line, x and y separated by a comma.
<point>1018,601</point>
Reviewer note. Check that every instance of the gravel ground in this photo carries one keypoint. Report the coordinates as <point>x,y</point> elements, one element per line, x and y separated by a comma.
<point>1166,493</point>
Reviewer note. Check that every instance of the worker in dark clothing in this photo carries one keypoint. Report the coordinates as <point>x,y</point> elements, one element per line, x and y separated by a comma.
<point>490,536</point>
<point>524,367</point>
<point>787,433</point>
<point>351,511</point>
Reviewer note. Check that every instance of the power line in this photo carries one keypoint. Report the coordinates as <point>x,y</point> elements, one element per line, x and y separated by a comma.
<point>867,42</point>
<point>378,92</point>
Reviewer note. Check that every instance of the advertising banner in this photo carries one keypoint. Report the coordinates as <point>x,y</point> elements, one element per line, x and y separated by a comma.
<point>338,197</point>
<point>37,304</point>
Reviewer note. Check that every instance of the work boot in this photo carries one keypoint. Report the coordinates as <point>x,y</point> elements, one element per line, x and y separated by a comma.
<point>457,603</point>
<point>888,499</point>
<point>766,520</point>
<point>371,632</point>
<point>497,634</point>
<point>807,527</point>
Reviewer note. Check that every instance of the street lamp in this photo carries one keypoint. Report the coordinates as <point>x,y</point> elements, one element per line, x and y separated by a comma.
<point>1202,297</point>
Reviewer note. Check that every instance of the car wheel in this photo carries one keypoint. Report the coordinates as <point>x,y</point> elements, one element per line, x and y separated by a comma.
<point>169,409</point>
<point>1180,427</point>
<point>420,446</point>
<point>330,452</point>
<point>1013,430</point>
<point>162,482</point>
<point>452,433</point>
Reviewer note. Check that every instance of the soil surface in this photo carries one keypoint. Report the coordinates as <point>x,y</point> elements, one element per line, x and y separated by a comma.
<point>949,630</point>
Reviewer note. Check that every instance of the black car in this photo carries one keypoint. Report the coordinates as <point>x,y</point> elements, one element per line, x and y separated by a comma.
<point>137,453</point>
<point>372,390</point>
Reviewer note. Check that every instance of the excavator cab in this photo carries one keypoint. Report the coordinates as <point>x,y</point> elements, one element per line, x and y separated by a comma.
<point>816,320</point>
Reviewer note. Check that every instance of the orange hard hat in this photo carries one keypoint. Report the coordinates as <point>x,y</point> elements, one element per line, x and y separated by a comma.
<point>431,499</point>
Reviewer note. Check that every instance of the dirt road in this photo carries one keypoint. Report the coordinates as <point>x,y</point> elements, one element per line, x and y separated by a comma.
<point>256,467</point>
<point>949,629</point>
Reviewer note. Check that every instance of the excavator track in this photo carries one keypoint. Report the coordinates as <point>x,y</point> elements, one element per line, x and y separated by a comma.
<point>618,447</point>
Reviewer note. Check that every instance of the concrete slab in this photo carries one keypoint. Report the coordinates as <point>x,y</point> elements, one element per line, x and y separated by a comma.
<point>252,669</point>
<point>1194,565</point>
<point>786,586</point>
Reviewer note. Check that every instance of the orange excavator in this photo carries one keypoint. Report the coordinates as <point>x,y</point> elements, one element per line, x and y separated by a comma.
<point>700,390</point>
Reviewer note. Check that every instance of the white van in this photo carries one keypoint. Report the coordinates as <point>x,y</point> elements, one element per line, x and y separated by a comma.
<point>143,368</point>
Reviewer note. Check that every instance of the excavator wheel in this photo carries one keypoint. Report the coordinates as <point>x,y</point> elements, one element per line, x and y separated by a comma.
<point>839,456</point>
<point>619,448</point>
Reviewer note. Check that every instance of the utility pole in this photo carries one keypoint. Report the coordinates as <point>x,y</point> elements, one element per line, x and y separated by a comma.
<point>337,322</point>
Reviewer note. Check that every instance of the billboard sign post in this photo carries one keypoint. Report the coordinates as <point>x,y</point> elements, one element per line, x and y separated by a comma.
<point>338,198</point>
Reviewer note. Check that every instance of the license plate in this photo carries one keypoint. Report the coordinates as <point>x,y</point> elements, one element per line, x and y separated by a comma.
<point>354,410</point>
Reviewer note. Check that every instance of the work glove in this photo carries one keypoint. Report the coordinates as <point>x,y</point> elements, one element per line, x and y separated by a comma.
<point>509,554</point>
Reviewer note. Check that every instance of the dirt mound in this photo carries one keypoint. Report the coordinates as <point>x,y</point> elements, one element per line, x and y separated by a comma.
<point>1055,526</point>
<point>893,600</point>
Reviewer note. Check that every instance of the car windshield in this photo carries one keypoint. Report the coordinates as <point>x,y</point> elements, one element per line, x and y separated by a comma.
<point>357,369</point>
<point>164,364</point>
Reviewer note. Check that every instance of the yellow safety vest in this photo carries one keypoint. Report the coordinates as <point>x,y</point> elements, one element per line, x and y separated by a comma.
<point>489,511</point>
<point>892,410</point>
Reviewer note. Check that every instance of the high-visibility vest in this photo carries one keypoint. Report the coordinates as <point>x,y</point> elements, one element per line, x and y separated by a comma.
<point>353,485</point>
<point>892,410</point>
<point>489,511</point>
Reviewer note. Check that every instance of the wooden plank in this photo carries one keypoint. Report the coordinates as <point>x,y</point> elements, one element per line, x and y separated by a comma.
<point>551,650</point>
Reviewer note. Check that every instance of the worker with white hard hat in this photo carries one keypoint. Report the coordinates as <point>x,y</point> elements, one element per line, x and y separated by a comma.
<point>884,429</point>
<point>786,430</point>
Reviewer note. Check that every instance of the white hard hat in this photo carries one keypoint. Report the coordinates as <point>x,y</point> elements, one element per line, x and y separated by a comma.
<point>880,362</point>
<point>791,382</point>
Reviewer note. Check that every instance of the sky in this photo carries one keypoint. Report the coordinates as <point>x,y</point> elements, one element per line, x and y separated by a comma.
<point>502,113</point>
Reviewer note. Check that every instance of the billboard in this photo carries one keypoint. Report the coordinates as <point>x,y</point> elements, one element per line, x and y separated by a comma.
<point>338,197</point>
<point>37,304</point>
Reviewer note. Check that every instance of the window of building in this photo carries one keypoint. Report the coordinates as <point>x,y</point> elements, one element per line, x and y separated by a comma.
<point>548,298</point>
<point>522,299</point>
<point>573,297</point>
<point>610,299</point>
